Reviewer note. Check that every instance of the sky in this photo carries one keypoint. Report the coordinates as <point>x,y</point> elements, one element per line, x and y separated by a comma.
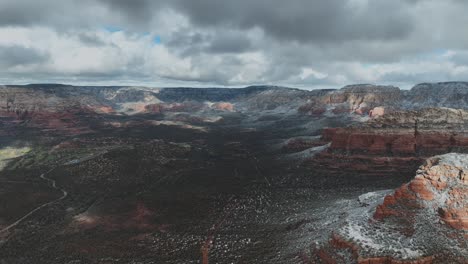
<point>204,43</point>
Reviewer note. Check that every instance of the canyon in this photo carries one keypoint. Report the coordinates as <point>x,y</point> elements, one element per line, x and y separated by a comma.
<point>262,174</point>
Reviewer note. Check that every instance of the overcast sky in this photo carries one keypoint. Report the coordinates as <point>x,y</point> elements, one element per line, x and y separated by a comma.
<point>300,43</point>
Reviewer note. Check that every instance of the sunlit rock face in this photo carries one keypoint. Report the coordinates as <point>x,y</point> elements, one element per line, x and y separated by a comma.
<point>223,106</point>
<point>359,99</point>
<point>440,187</point>
<point>377,111</point>
<point>378,100</point>
<point>423,221</point>
<point>362,98</point>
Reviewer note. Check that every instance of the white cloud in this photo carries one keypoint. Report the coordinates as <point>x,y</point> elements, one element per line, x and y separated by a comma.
<point>200,48</point>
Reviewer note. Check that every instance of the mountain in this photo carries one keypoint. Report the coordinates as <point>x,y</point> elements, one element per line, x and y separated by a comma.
<point>423,221</point>
<point>261,174</point>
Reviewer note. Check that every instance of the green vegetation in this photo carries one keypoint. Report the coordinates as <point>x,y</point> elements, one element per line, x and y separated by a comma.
<point>8,153</point>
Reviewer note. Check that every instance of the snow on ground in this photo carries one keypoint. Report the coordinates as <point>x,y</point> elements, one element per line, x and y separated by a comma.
<point>454,159</point>
<point>308,153</point>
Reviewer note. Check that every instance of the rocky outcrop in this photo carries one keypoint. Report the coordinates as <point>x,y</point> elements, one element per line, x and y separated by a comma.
<point>45,103</point>
<point>223,106</point>
<point>423,221</point>
<point>440,187</point>
<point>375,100</point>
<point>46,109</point>
<point>362,99</point>
<point>423,119</point>
<point>358,99</point>
<point>402,142</point>
<point>443,94</point>
<point>395,142</point>
<point>377,112</point>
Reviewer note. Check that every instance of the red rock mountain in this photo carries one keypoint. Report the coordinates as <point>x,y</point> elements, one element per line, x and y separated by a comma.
<point>395,142</point>
<point>423,221</point>
<point>440,186</point>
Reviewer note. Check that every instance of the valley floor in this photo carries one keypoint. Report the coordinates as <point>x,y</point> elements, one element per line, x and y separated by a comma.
<point>171,196</point>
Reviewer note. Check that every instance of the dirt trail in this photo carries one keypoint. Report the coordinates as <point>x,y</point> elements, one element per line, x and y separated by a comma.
<point>53,185</point>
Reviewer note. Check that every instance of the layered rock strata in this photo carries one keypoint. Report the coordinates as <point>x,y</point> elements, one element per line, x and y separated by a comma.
<point>396,142</point>
<point>441,185</point>
<point>424,221</point>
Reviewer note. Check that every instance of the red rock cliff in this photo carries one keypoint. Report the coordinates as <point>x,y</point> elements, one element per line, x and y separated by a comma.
<point>397,142</point>
<point>441,186</point>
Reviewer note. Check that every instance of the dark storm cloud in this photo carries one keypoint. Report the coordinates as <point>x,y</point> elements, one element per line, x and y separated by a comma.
<point>237,41</point>
<point>320,21</point>
<point>304,20</point>
<point>182,39</point>
<point>47,12</point>
<point>20,13</point>
<point>11,56</point>
<point>188,43</point>
<point>137,12</point>
<point>300,20</point>
<point>90,39</point>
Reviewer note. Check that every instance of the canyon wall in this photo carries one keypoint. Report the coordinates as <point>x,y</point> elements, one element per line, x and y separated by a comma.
<point>424,221</point>
<point>395,142</point>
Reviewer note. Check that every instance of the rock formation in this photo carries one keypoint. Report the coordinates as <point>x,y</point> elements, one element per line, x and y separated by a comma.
<point>223,106</point>
<point>375,100</point>
<point>398,141</point>
<point>423,221</point>
<point>441,185</point>
<point>377,111</point>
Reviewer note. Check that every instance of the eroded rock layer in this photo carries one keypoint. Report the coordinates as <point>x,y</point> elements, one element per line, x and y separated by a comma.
<point>423,221</point>
<point>441,185</point>
<point>395,142</point>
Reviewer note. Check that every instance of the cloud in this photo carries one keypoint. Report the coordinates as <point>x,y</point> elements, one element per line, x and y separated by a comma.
<point>15,55</point>
<point>303,20</point>
<point>298,20</point>
<point>90,38</point>
<point>311,44</point>
<point>229,43</point>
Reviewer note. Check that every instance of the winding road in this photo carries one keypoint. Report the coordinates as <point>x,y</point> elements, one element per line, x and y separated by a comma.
<point>54,185</point>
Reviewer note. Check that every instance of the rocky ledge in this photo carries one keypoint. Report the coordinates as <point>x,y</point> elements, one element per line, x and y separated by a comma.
<point>440,186</point>
<point>423,221</point>
<point>395,142</point>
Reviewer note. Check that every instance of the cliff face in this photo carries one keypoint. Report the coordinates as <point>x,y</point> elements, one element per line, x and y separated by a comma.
<point>398,141</point>
<point>357,99</point>
<point>423,221</point>
<point>446,94</point>
<point>45,109</point>
<point>361,99</point>
<point>72,110</point>
<point>375,100</point>
<point>60,107</point>
<point>439,188</point>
